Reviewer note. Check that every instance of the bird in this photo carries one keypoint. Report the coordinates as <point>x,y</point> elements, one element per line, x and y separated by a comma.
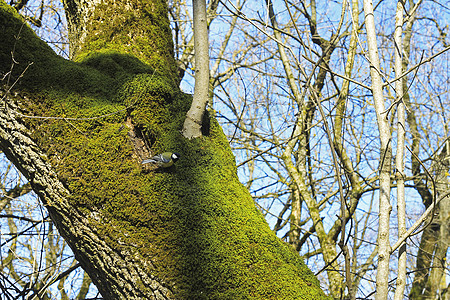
<point>163,160</point>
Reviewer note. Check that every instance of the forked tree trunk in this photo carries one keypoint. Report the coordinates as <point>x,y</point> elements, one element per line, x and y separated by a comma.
<point>78,131</point>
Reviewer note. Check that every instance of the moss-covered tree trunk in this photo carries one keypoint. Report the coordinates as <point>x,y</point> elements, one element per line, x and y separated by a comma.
<point>78,130</point>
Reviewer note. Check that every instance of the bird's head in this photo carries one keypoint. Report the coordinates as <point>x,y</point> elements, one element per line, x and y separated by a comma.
<point>175,156</point>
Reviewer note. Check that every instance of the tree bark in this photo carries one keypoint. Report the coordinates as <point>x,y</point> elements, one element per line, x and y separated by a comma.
<point>385,156</point>
<point>78,132</point>
<point>400,153</point>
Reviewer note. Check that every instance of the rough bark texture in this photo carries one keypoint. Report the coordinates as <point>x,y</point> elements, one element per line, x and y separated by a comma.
<point>114,275</point>
<point>78,132</point>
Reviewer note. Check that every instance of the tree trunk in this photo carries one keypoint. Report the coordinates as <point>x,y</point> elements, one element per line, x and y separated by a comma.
<point>385,156</point>
<point>78,132</point>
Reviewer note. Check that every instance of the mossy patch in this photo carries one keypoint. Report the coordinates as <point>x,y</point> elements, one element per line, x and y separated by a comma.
<point>139,28</point>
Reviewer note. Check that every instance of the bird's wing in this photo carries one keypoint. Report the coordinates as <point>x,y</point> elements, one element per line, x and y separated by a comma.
<point>157,159</point>
<point>154,159</point>
<point>162,159</point>
<point>146,161</point>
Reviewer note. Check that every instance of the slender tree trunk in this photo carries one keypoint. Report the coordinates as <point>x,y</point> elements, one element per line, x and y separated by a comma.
<point>385,156</point>
<point>400,153</point>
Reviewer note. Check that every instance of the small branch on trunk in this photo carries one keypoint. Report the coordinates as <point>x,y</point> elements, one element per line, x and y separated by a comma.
<point>193,122</point>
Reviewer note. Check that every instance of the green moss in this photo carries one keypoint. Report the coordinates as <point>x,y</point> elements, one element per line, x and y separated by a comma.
<point>140,28</point>
<point>195,222</point>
